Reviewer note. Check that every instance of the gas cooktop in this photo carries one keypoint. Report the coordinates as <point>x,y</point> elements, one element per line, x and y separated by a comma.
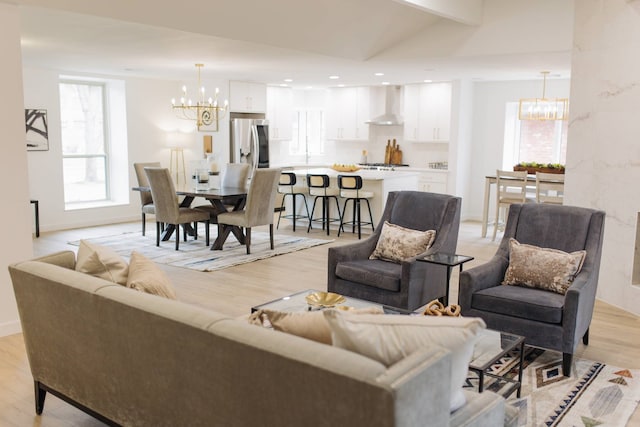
<point>380,166</point>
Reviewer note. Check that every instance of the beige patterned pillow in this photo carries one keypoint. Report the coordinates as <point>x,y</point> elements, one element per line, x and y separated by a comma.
<point>542,268</point>
<point>146,276</point>
<point>398,243</point>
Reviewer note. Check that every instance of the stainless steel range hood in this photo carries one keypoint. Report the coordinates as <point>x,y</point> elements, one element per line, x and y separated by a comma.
<point>391,116</point>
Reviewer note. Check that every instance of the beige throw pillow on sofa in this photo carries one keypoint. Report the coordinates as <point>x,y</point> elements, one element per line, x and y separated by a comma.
<point>146,276</point>
<point>307,324</point>
<point>542,268</point>
<point>390,338</point>
<point>102,262</point>
<point>398,243</point>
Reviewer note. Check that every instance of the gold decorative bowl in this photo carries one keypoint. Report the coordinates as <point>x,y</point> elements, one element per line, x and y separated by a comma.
<point>324,299</point>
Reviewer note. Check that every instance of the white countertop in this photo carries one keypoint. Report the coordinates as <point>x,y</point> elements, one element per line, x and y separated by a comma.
<point>365,174</point>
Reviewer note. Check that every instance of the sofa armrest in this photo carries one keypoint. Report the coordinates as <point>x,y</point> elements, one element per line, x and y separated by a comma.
<point>481,409</point>
<point>481,277</point>
<point>66,259</point>
<point>422,387</point>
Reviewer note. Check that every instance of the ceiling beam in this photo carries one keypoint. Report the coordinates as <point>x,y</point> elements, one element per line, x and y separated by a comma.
<point>467,12</point>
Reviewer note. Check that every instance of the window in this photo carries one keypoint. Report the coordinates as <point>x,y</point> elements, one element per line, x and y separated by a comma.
<point>533,141</point>
<point>308,134</point>
<point>85,151</point>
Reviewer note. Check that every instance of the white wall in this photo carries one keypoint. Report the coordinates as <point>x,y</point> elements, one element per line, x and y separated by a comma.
<point>603,167</point>
<point>151,128</point>
<point>17,214</point>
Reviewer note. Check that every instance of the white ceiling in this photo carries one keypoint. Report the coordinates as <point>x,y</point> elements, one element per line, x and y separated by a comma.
<point>271,40</point>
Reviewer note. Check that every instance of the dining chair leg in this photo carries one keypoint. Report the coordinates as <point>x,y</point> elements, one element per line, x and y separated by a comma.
<point>207,223</point>
<point>144,222</point>
<point>247,239</point>
<point>157,233</point>
<point>178,236</point>
<point>271,235</point>
<point>195,231</point>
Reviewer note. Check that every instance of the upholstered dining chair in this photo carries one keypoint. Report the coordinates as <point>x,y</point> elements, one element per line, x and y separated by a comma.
<point>512,188</point>
<point>529,253</point>
<point>259,208</point>
<point>146,200</point>
<point>168,210</point>
<point>234,175</point>
<point>407,283</point>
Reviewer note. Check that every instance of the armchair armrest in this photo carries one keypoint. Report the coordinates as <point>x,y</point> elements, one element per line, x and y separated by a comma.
<point>481,277</point>
<point>578,307</point>
<point>351,252</point>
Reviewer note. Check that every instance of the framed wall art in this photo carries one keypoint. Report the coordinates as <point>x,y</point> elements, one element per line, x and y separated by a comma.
<point>37,129</point>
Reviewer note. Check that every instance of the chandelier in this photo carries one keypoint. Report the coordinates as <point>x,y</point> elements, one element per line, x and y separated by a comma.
<point>544,108</point>
<point>206,112</point>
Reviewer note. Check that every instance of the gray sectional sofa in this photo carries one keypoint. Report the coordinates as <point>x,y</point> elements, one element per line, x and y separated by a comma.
<point>135,359</point>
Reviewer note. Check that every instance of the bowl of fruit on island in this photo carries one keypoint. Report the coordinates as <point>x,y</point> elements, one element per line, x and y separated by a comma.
<point>345,168</point>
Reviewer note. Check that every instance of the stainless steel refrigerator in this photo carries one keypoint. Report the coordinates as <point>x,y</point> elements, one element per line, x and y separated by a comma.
<point>249,140</point>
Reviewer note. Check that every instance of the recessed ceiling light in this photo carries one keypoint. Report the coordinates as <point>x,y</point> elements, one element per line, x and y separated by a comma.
<point>334,77</point>
<point>379,74</point>
<point>288,80</point>
<point>386,83</point>
<point>427,81</point>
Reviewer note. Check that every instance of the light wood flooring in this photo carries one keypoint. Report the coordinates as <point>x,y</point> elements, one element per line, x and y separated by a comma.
<point>615,334</point>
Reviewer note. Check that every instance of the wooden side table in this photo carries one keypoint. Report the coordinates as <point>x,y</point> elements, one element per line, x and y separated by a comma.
<point>450,261</point>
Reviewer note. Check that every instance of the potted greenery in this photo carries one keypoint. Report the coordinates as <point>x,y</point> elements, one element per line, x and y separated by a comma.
<point>533,167</point>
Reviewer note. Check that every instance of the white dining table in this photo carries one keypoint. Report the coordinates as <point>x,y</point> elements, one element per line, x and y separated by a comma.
<point>488,182</point>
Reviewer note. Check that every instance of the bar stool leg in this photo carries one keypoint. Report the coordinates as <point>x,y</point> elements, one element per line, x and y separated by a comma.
<point>370,215</point>
<point>294,211</point>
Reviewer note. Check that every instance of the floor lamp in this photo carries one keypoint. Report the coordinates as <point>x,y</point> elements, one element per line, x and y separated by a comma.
<point>176,164</point>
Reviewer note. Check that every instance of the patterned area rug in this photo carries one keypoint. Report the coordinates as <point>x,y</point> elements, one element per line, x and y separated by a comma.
<point>595,394</point>
<point>196,256</point>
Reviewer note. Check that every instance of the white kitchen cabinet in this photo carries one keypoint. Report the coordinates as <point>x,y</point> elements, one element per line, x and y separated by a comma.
<point>427,109</point>
<point>347,111</point>
<point>246,97</point>
<point>433,182</point>
<point>280,112</point>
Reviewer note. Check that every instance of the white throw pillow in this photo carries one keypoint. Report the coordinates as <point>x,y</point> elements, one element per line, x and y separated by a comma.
<point>398,243</point>
<point>102,262</point>
<point>146,276</point>
<point>390,338</point>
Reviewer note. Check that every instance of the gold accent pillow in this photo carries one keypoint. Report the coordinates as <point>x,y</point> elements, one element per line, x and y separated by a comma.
<point>542,268</point>
<point>101,262</point>
<point>390,338</point>
<point>306,324</point>
<point>398,243</point>
<point>146,276</point>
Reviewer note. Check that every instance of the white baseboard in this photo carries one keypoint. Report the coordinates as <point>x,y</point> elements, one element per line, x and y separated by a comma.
<point>10,328</point>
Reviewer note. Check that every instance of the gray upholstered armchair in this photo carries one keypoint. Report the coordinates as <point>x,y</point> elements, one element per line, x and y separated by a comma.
<point>409,284</point>
<point>546,319</point>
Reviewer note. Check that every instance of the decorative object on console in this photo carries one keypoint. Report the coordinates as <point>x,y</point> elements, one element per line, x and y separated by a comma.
<point>543,108</point>
<point>205,112</point>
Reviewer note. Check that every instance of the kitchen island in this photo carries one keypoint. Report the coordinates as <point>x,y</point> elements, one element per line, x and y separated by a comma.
<point>379,182</point>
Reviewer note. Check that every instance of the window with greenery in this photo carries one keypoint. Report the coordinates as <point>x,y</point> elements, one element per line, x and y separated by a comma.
<point>529,141</point>
<point>85,151</point>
